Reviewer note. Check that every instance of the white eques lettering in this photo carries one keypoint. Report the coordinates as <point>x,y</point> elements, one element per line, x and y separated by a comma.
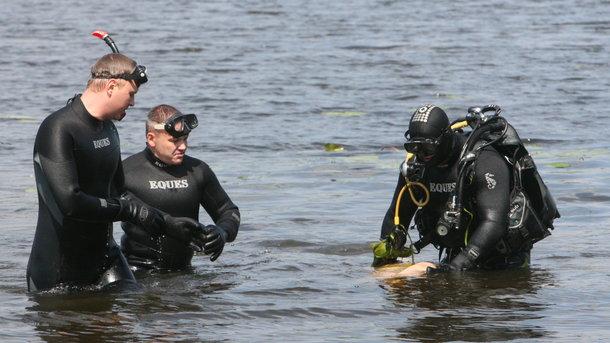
<point>169,184</point>
<point>100,143</point>
<point>442,187</point>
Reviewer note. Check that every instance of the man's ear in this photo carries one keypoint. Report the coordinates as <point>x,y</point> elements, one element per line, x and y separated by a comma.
<point>151,139</point>
<point>111,86</point>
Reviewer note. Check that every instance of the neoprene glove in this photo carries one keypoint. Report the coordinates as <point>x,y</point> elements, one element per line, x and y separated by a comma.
<point>391,247</point>
<point>397,238</point>
<point>185,229</point>
<point>135,211</point>
<point>465,260</point>
<point>215,238</point>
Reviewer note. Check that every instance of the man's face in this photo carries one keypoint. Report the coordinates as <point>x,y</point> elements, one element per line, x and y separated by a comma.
<point>121,98</point>
<point>425,149</point>
<point>170,150</point>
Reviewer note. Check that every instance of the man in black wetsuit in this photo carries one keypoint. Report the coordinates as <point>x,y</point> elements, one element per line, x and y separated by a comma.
<point>163,176</point>
<point>81,190</point>
<point>487,197</point>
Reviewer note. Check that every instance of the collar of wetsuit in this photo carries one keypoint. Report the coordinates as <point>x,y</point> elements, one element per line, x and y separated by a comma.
<point>81,111</point>
<point>154,160</point>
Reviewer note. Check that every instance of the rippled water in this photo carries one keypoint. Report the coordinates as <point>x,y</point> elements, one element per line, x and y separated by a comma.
<point>272,82</point>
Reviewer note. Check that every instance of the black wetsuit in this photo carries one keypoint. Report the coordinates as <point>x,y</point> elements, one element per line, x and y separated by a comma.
<point>487,197</point>
<point>177,190</point>
<point>77,163</point>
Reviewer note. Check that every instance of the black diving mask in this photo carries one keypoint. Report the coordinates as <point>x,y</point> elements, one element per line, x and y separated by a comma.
<point>138,76</point>
<point>423,146</point>
<point>179,124</point>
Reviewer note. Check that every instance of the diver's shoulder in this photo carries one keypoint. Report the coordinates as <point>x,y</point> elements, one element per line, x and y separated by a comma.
<point>135,160</point>
<point>193,161</point>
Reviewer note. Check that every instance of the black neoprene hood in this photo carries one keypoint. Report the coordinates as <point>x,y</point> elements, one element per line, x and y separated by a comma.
<point>428,121</point>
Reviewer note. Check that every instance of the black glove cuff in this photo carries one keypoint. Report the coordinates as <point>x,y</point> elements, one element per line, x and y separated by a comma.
<point>466,259</point>
<point>472,254</point>
<point>398,237</point>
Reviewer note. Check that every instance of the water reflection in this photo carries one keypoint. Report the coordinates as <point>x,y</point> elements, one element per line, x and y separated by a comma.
<point>141,314</point>
<point>474,307</point>
<point>94,317</point>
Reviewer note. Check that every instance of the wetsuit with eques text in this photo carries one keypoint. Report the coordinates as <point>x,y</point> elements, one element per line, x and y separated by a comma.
<point>77,164</point>
<point>178,190</point>
<point>487,197</point>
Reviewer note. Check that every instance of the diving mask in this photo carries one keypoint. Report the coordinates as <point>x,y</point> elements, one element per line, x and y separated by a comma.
<point>178,124</point>
<point>423,146</point>
<point>139,75</point>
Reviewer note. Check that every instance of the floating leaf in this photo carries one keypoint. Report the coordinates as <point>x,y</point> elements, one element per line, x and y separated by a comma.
<point>391,148</point>
<point>344,113</point>
<point>17,117</point>
<point>448,96</point>
<point>333,147</point>
<point>560,165</point>
<point>582,152</point>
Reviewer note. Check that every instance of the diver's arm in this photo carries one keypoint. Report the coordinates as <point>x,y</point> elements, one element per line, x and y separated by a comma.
<point>393,238</point>
<point>219,206</point>
<point>55,165</point>
<point>492,187</point>
<point>119,180</point>
<point>406,209</point>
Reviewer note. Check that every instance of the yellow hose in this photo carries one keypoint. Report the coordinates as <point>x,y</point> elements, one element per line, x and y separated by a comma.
<point>459,125</point>
<point>409,185</point>
<point>467,227</point>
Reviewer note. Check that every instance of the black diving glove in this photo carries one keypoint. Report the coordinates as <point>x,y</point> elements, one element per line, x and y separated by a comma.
<point>185,229</point>
<point>391,247</point>
<point>397,238</point>
<point>215,238</point>
<point>135,211</point>
<point>441,268</point>
<point>465,260</point>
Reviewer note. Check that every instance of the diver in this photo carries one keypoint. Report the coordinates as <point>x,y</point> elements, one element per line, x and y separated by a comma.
<point>475,196</point>
<point>164,176</point>
<point>81,189</point>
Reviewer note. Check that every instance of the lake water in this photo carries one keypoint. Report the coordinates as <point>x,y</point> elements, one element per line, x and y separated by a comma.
<point>273,82</point>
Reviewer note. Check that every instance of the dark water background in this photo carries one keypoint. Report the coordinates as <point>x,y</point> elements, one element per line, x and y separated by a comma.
<point>272,82</point>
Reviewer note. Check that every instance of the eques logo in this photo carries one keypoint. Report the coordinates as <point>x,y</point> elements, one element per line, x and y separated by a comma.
<point>442,187</point>
<point>491,182</point>
<point>100,143</point>
<point>171,184</point>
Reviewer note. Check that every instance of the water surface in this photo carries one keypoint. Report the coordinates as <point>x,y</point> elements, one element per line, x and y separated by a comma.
<point>272,83</point>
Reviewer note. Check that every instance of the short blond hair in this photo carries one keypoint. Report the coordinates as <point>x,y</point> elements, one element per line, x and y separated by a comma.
<point>108,65</point>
